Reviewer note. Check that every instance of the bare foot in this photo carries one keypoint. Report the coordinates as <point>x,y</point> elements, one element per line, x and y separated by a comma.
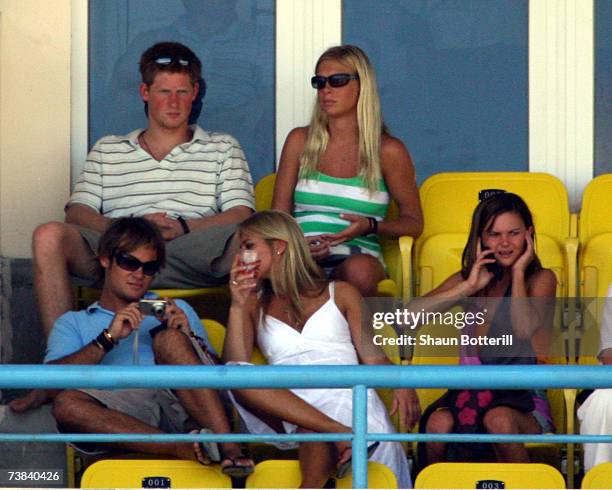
<point>33,399</point>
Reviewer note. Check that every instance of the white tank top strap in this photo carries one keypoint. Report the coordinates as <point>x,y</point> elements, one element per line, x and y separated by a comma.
<point>332,289</point>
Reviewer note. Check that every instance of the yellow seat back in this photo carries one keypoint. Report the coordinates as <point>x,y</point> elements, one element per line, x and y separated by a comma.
<point>379,476</point>
<point>595,261</point>
<point>264,190</point>
<point>215,332</point>
<point>595,210</point>
<point>599,476</point>
<point>439,257</point>
<point>216,335</point>
<point>595,235</point>
<point>275,473</point>
<point>152,473</point>
<point>468,475</point>
<point>595,277</point>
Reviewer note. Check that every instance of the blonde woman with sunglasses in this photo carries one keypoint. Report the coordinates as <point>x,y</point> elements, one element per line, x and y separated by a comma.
<point>337,175</point>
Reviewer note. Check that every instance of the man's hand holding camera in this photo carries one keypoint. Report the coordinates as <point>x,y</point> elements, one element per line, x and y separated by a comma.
<point>125,321</point>
<point>130,317</point>
<point>176,318</point>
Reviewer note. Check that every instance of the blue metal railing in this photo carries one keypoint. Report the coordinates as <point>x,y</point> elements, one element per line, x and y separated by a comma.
<point>359,378</point>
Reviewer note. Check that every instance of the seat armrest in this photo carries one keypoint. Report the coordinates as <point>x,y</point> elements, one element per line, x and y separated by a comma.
<point>405,244</point>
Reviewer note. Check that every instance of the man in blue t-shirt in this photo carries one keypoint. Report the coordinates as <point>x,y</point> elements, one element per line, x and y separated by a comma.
<point>118,330</point>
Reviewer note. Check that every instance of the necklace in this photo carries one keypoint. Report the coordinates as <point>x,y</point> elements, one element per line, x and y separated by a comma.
<point>145,145</point>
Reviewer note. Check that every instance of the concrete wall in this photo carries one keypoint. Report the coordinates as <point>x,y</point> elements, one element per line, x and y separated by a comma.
<point>35,38</point>
<point>34,118</point>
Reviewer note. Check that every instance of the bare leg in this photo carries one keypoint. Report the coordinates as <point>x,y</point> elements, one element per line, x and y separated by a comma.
<point>362,271</point>
<point>172,346</point>
<point>58,248</point>
<point>78,412</point>
<point>317,463</point>
<point>505,420</point>
<point>284,405</point>
<point>440,422</point>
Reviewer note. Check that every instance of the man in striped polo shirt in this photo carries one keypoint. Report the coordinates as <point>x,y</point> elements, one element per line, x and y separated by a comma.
<point>193,184</point>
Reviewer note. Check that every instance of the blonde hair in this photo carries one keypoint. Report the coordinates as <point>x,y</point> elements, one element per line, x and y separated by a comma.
<point>369,119</point>
<point>297,273</point>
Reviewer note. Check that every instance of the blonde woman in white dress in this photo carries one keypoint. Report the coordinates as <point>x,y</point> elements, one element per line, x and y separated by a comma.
<point>283,304</point>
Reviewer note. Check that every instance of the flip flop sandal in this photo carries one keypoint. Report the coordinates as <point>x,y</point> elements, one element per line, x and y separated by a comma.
<point>237,470</point>
<point>347,466</point>
<point>211,449</point>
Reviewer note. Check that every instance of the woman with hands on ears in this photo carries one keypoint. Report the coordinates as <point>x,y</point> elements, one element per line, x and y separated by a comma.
<point>283,304</point>
<point>337,175</point>
<point>515,296</point>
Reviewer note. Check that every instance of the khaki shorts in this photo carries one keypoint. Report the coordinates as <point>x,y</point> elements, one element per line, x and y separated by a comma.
<point>189,258</point>
<point>157,408</point>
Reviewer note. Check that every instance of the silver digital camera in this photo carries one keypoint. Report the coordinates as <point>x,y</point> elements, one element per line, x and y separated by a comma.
<point>154,307</point>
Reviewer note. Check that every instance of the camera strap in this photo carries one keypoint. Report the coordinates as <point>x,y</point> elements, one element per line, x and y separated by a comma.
<point>135,350</point>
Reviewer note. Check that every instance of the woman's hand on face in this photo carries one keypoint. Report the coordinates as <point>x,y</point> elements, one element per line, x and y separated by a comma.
<point>479,275</point>
<point>525,259</point>
<point>242,282</point>
<point>407,402</point>
<point>359,225</point>
<point>319,246</point>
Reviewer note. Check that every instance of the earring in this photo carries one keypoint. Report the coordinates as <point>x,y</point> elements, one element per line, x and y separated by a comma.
<point>278,252</point>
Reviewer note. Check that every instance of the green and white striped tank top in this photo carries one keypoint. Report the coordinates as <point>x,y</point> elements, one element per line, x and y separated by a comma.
<point>320,199</point>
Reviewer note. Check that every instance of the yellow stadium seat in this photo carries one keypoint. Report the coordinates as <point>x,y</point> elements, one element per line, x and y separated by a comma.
<point>599,476</point>
<point>595,260</point>
<point>594,275</point>
<point>151,473</point>
<point>396,253</point>
<point>595,210</point>
<point>216,335</point>
<point>379,476</point>
<point>264,191</point>
<point>489,475</point>
<point>276,473</point>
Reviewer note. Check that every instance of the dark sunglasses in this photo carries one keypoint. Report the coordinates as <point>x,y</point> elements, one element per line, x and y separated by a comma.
<point>335,80</point>
<point>166,60</point>
<point>130,263</point>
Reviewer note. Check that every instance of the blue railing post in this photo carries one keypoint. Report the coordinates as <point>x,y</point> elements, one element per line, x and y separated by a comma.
<point>360,443</point>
